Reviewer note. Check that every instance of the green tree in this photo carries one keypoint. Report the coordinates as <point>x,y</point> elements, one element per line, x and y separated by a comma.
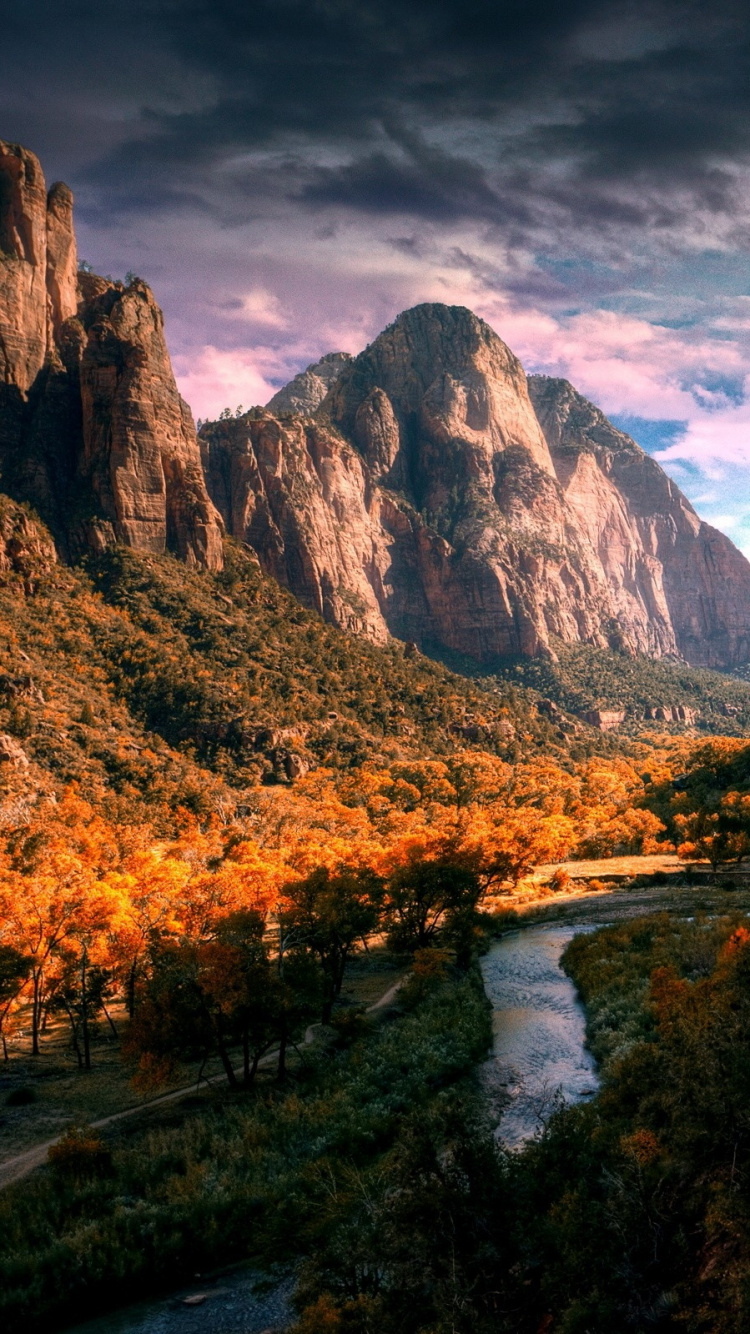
<point>428,899</point>
<point>330,914</point>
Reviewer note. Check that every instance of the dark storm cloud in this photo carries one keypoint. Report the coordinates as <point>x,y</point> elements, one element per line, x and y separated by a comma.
<point>514,121</point>
<point>290,173</point>
<point>580,110</point>
<point>422,180</point>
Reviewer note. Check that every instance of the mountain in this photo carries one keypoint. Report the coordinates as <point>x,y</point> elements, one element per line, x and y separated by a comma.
<point>439,495</point>
<point>641,524</point>
<point>425,489</point>
<point>92,429</point>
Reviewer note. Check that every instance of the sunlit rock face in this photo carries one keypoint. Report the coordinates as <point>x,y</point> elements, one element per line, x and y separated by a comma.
<point>437,494</point>
<point>653,549</point>
<point>92,429</point>
<point>305,393</point>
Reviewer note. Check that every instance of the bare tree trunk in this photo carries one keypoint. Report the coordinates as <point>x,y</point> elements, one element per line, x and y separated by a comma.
<point>74,1031</point>
<point>131,987</point>
<point>110,1020</point>
<point>35,1004</point>
<point>85,1013</point>
<point>226,1062</point>
<point>281,1068</point>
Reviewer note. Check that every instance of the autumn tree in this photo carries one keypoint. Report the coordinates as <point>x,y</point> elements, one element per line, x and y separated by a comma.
<point>177,1017</point>
<point>237,971</point>
<point>204,998</point>
<point>701,836</point>
<point>734,825</point>
<point>52,888</point>
<point>80,990</point>
<point>14,971</point>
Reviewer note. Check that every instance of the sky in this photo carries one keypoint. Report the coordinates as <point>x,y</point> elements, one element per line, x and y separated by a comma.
<point>291,174</point>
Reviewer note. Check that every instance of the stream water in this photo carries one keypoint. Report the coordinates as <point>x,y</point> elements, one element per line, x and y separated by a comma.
<point>539,1030</point>
<point>228,1303</point>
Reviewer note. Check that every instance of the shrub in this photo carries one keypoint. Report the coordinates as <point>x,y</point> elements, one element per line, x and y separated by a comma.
<point>80,1154</point>
<point>21,1097</point>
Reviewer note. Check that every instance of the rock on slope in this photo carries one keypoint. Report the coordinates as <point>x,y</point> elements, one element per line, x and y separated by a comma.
<point>92,429</point>
<point>433,497</point>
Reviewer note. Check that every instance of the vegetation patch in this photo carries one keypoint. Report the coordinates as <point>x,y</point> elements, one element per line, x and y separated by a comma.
<point>253,1176</point>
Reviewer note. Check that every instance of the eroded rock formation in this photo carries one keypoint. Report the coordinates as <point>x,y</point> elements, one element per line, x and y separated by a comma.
<point>439,495</point>
<point>92,429</point>
<point>424,488</point>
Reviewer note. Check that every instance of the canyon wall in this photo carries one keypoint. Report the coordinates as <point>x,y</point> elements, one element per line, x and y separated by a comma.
<point>92,429</point>
<point>425,488</point>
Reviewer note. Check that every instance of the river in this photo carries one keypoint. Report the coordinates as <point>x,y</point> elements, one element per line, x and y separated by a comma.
<point>539,1030</point>
<point>538,1054</point>
<point>226,1303</point>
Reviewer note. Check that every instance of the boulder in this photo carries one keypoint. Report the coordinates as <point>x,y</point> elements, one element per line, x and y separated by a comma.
<point>12,752</point>
<point>605,719</point>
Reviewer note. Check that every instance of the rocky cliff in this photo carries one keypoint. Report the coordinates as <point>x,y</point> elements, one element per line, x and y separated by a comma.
<point>92,429</point>
<point>651,544</point>
<point>425,488</point>
<point>437,494</point>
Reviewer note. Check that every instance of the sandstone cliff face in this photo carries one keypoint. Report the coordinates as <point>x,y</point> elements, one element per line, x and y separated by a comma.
<point>23,267</point>
<point>92,429</point>
<point>300,496</point>
<point>140,453</point>
<point>434,496</point>
<point>652,545</point>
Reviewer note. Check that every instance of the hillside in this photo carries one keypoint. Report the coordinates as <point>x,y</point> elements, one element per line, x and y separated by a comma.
<point>136,676</point>
<point>648,691</point>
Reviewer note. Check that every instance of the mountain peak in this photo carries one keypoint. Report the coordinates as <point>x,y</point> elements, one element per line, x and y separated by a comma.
<point>440,495</point>
<point>444,377</point>
<point>305,393</point>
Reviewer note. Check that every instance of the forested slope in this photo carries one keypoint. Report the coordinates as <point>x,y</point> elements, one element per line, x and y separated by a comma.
<point>139,677</point>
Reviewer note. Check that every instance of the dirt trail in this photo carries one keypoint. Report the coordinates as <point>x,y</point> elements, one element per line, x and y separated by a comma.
<point>18,1167</point>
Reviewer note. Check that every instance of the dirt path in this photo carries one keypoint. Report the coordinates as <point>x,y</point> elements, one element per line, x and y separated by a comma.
<point>18,1167</point>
